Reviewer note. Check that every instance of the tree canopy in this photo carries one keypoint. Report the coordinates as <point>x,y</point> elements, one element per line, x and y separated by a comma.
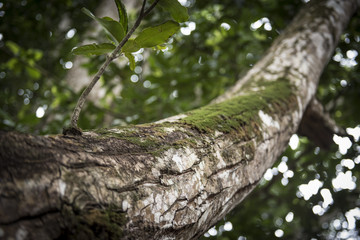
<point>310,192</point>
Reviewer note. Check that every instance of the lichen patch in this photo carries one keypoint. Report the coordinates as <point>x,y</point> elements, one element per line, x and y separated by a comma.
<point>268,121</point>
<point>62,187</point>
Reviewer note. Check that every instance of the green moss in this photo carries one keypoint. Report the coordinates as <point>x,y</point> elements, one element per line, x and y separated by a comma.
<point>146,135</point>
<point>240,114</point>
<point>135,135</point>
<point>184,142</point>
<point>150,137</point>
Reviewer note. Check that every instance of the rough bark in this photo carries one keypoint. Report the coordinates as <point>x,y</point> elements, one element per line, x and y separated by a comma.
<point>175,178</point>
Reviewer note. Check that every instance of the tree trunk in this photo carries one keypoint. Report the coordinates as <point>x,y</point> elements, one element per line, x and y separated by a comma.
<point>175,178</point>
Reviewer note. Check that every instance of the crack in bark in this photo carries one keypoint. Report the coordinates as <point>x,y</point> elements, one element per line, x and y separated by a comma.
<point>39,215</point>
<point>84,165</point>
<point>134,186</point>
<point>244,188</point>
<point>173,204</point>
<point>227,167</point>
<point>172,172</point>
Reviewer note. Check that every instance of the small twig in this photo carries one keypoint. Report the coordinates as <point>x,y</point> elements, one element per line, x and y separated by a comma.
<point>109,59</point>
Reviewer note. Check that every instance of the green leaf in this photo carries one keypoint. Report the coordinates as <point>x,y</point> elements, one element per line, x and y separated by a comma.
<point>153,36</point>
<point>112,27</point>
<point>14,48</point>
<point>37,54</point>
<point>131,60</point>
<point>123,18</point>
<point>33,72</point>
<point>130,46</point>
<point>13,65</point>
<point>94,49</point>
<point>178,12</point>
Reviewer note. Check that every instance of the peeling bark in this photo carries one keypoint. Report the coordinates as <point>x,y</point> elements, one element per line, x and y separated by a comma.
<point>175,178</point>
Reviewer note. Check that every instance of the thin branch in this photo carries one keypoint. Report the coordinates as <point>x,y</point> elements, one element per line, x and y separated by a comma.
<point>150,8</point>
<point>143,13</point>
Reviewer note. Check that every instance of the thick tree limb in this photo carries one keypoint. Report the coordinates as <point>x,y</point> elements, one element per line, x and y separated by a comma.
<point>175,178</point>
<point>318,126</point>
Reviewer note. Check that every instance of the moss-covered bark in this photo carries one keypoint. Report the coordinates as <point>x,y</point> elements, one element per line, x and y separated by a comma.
<point>240,114</point>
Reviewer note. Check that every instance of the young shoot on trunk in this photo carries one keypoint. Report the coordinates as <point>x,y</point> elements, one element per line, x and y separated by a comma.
<point>122,44</point>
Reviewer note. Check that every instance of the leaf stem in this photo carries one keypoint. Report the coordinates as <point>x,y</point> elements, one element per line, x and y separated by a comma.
<point>143,13</point>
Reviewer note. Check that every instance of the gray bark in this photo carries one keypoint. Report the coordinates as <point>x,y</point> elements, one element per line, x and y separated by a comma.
<point>175,178</point>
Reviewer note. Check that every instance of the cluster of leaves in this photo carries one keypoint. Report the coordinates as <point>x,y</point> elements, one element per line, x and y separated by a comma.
<point>150,37</point>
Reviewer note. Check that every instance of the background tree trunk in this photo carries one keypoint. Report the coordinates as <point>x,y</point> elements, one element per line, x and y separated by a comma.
<point>175,178</point>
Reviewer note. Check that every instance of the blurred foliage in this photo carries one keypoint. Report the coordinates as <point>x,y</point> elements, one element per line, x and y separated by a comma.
<point>34,49</point>
<point>216,46</point>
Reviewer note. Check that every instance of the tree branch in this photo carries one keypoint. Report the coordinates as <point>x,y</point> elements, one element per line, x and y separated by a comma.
<point>318,126</point>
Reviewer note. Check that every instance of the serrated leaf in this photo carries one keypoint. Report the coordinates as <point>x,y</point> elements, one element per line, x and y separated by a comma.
<point>130,46</point>
<point>112,27</point>
<point>153,36</point>
<point>94,49</point>
<point>131,60</point>
<point>178,12</point>
<point>123,18</point>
